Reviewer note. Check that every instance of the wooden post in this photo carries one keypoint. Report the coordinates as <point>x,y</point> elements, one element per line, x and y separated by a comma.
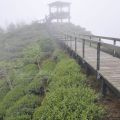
<point>83,48</point>
<point>90,41</point>
<point>66,37</point>
<point>98,56</point>
<point>71,42</point>
<point>114,51</point>
<point>98,61</point>
<point>75,44</point>
<point>65,42</point>
<point>99,39</point>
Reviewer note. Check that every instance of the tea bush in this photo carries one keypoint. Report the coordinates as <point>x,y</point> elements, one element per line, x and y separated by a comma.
<point>46,45</point>
<point>31,53</point>
<point>69,104</point>
<point>4,89</point>
<point>69,97</point>
<point>24,106</point>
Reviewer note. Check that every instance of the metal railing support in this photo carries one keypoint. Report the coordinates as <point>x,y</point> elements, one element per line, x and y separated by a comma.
<point>75,44</point>
<point>99,39</point>
<point>114,51</point>
<point>71,41</point>
<point>90,41</point>
<point>83,48</point>
<point>98,61</point>
<point>98,56</point>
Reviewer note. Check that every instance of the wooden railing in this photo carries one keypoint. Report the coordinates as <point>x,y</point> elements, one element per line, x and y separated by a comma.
<point>92,39</point>
<point>102,39</point>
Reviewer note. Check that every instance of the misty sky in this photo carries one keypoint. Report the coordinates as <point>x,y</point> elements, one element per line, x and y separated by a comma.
<point>102,17</point>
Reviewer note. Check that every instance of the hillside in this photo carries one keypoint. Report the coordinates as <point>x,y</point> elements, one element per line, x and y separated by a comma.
<point>38,81</point>
<point>12,42</point>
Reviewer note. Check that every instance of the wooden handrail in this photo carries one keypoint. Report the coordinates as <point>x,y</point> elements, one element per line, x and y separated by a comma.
<point>101,37</point>
<point>98,43</point>
<point>70,42</point>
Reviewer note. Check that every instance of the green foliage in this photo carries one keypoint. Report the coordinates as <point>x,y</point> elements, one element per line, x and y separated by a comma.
<point>30,69</point>
<point>11,98</point>
<point>31,53</point>
<point>3,89</point>
<point>69,104</point>
<point>47,45</point>
<point>23,75</point>
<point>13,95</point>
<point>21,78</point>
<point>48,65</point>
<point>67,73</point>
<point>67,67</point>
<point>69,97</point>
<point>60,54</point>
<point>36,83</point>
<point>21,117</point>
<point>23,107</point>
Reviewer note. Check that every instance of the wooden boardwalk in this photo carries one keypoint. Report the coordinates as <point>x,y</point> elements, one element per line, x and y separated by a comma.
<point>109,65</point>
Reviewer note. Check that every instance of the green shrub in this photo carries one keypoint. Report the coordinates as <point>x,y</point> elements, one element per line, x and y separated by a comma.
<point>60,55</point>
<point>31,53</point>
<point>69,97</point>
<point>67,73</point>
<point>20,117</point>
<point>48,65</point>
<point>30,69</point>
<point>4,89</point>
<point>67,67</point>
<point>47,45</point>
<point>23,107</point>
<point>35,84</point>
<point>24,75</point>
<point>11,98</point>
<point>69,104</point>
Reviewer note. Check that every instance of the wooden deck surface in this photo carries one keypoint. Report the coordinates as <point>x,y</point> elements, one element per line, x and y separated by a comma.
<point>109,65</point>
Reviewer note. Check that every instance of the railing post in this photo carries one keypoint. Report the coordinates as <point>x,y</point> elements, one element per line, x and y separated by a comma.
<point>71,41</point>
<point>67,40</point>
<point>83,48</point>
<point>90,41</point>
<point>75,44</point>
<point>65,37</point>
<point>98,60</point>
<point>98,56</point>
<point>99,39</point>
<point>114,51</point>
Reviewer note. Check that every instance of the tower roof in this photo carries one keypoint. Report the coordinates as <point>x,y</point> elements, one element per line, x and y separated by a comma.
<point>59,4</point>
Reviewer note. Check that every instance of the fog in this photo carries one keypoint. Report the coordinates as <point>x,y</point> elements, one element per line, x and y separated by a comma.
<point>101,17</point>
